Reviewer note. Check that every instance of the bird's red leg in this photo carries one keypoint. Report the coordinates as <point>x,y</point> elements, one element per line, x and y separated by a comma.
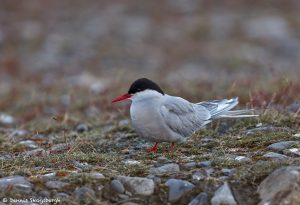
<point>154,148</point>
<point>172,147</point>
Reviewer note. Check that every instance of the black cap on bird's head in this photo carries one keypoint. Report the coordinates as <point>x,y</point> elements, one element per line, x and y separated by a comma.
<point>138,86</point>
<point>144,84</point>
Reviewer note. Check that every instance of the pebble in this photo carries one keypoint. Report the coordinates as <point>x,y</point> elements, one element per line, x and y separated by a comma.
<point>56,184</point>
<point>279,146</point>
<point>165,169</point>
<point>163,160</point>
<point>189,165</point>
<point>242,159</point>
<point>82,128</point>
<point>198,175</point>
<point>18,183</point>
<point>44,194</point>
<point>83,166</point>
<point>6,119</point>
<point>177,188</point>
<point>61,195</point>
<point>228,172</point>
<point>293,152</point>
<point>296,135</point>
<point>275,156</point>
<point>129,203</point>
<point>29,144</point>
<point>84,195</point>
<point>223,195</point>
<point>200,199</point>
<point>205,163</point>
<point>96,175</point>
<point>130,162</point>
<point>117,186</point>
<point>138,185</point>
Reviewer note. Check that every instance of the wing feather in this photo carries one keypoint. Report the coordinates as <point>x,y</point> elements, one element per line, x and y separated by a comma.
<point>183,117</point>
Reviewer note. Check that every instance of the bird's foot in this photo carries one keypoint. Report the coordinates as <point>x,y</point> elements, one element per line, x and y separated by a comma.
<point>153,149</point>
<point>172,147</point>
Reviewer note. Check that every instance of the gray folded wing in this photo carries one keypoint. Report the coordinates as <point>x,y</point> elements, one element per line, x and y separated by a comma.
<point>183,117</point>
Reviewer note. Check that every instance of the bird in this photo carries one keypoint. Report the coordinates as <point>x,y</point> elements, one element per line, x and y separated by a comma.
<point>159,117</point>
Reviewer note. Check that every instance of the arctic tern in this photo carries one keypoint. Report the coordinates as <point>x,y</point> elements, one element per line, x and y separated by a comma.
<point>159,117</point>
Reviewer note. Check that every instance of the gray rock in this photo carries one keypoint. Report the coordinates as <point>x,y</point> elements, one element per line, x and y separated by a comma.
<point>165,169</point>
<point>61,195</point>
<point>129,203</point>
<point>228,172</point>
<point>279,146</point>
<point>189,165</point>
<point>85,195</point>
<point>177,188</point>
<point>138,185</point>
<point>200,199</point>
<point>39,137</point>
<point>82,128</point>
<point>44,194</point>
<point>297,135</point>
<point>242,159</point>
<point>29,144</point>
<point>6,119</point>
<point>96,175</point>
<point>293,152</point>
<point>223,196</point>
<point>18,184</point>
<point>205,163</point>
<point>198,176</point>
<point>117,186</point>
<point>275,156</point>
<point>281,187</point>
<point>59,147</point>
<point>56,184</point>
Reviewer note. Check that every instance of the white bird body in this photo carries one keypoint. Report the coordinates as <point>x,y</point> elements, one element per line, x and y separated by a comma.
<point>159,117</point>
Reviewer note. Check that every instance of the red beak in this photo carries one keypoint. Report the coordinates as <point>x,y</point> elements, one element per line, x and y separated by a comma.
<point>123,97</point>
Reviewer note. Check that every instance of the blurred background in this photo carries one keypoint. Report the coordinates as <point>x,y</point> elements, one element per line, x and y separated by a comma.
<point>75,56</point>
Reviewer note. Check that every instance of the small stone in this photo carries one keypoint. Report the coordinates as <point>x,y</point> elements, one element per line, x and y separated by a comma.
<point>197,176</point>
<point>85,195</point>
<point>129,203</point>
<point>279,146</point>
<point>205,163</point>
<point>228,172</point>
<point>293,152</point>
<point>61,195</point>
<point>56,184</point>
<point>96,175</point>
<point>157,180</point>
<point>223,195</point>
<point>138,185</point>
<point>131,162</point>
<point>117,186</point>
<point>189,165</point>
<point>17,183</point>
<point>29,144</point>
<point>242,159</point>
<point>6,119</point>
<point>165,169</point>
<point>49,176</point>
<point>281,187</point>
<point>83,166</point>
<point>275,156</point>
<point>82,128</point>
<point>44,194</point>
<point>177,188</point>
<point>200,199</point>
<point>163,160</point>
<point>296,135</point>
